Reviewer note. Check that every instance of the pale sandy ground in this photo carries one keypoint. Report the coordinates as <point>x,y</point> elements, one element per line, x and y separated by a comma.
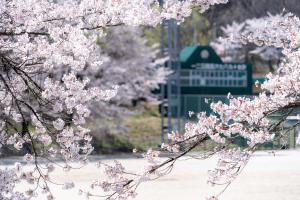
<point>265,178</point>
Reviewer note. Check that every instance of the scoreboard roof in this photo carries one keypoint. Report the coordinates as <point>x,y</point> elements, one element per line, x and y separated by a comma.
<point>198,54</point>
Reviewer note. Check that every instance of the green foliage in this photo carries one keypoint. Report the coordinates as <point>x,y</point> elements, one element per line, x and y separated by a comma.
<point>101,43</point>
<point>144,128</point>
<point>152,35</point>
<point>111,143</point>
<point>143,133</point>
<point>194,30</point>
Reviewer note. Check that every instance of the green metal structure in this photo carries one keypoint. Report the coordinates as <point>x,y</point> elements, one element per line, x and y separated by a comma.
<point>203,75</point>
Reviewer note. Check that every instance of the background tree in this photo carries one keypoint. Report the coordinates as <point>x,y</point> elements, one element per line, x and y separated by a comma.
<point>195,29</point>
<point>241,10</point>
<point>235,51</point>
<point>131,65</point>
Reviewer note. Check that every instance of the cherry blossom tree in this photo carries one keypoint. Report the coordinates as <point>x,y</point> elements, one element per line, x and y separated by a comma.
<point>228,50</point>
<point>45,46</point>
<point>131,65</point>
<point>39,38</point>
<point>234,51</point>
<point>41,107</point>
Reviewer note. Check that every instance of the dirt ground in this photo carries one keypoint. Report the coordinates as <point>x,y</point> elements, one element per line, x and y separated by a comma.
<point>266,177</point>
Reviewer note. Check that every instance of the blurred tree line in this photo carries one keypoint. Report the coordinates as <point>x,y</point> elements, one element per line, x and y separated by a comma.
<point>240,10</point>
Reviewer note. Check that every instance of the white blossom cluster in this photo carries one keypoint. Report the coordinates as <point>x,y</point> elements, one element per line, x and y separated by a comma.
<point>116,181</point>
<point>9,178</point>
<point>35,178</point>
<point>231,46</point>
<point>121,184</point>
<point>227,49</point>
<point>229,165</point>
<point>64,32</point>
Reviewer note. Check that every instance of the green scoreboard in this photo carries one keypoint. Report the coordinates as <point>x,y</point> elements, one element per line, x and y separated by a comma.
<point>203,72</point>
<point>203,75</point>
<point>211,78</point>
